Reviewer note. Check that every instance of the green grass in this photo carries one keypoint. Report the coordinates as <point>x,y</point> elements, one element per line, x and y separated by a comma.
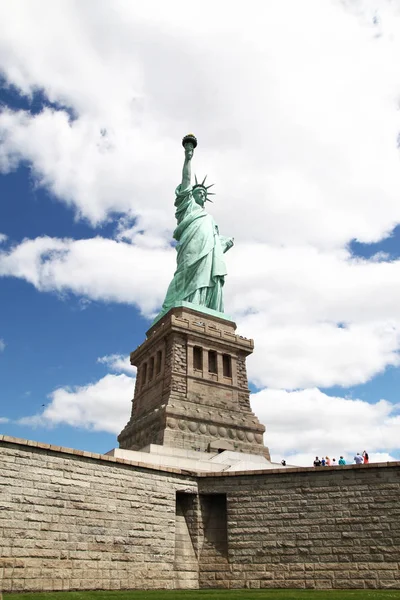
<point>213,595</point>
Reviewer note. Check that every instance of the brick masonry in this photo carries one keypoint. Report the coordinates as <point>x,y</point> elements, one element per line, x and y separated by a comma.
<point>77,520</point>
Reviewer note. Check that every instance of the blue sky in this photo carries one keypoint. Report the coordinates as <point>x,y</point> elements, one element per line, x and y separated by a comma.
<point>52,340</point>
<point>298,128</point>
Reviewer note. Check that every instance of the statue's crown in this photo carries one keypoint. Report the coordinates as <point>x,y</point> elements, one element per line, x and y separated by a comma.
<point>204,187</point>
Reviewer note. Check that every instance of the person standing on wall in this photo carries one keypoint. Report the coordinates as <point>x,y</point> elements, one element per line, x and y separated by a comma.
<point>358,459</point>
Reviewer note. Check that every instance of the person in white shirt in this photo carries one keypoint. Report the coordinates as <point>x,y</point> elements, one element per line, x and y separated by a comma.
<point>358,459</point>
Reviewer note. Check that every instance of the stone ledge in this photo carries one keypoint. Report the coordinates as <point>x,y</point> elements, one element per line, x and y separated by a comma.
<point>5,439</point>
<point>305,469</point>
<point>180,319</point>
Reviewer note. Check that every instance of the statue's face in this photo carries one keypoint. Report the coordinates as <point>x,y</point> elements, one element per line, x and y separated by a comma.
<point>200,196</point>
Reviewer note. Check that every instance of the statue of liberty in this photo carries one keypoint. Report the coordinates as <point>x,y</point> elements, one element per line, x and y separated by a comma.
<point>200,273</point>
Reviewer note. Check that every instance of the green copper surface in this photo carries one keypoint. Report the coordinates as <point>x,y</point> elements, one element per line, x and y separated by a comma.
<point>200,274</point>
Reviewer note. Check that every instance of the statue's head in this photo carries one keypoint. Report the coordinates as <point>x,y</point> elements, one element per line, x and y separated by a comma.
<point>201,193</point>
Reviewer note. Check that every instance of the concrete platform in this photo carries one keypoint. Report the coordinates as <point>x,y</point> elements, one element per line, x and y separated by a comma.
<point>192,460</point>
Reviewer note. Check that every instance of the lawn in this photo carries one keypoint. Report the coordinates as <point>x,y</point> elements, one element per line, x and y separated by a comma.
<point>213,595</point>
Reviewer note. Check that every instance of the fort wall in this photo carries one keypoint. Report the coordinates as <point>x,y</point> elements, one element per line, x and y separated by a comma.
<point>310,528</point>
<point>77,520</point>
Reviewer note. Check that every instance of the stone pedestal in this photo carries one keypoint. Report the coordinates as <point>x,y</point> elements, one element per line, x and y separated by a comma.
<point>191,387</point>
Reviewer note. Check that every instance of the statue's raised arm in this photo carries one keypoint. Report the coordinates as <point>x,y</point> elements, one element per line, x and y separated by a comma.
<point>200,273</point>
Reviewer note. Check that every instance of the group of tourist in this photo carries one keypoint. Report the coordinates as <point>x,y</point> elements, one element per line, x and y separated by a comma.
<point>325,461</point>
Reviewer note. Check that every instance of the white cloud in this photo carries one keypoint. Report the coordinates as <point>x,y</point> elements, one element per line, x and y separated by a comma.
<point>299,424</point>
<point>306,309</point>
<point>300,137</point>
<point>100,406</point>
<point>98,268</point>
<point>319,318</point>
<point>118,363</point>
<point>295,106</point>
<point>4,420</point>
<point>298,356</point>
<point>306,423</point>
<point>381,457</point>
<point>3,238</point>
<point>2,345</point>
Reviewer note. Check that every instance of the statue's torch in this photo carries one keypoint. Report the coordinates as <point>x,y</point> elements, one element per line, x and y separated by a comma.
<point>189,139</point>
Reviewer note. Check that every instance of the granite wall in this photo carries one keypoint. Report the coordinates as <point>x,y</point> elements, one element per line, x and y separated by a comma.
<point>76,520</point>
<point>336,527</point>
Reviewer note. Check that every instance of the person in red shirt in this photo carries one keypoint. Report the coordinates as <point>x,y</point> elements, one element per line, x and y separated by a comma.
<point>365,457</point>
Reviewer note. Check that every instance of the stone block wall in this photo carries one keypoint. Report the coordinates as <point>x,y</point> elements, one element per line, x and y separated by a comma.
<point>335,527</point>
<point>76,520</point>
<point>186,537</point>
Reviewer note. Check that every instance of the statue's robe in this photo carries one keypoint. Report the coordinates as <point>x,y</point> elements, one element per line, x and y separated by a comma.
<point>201,269</point>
